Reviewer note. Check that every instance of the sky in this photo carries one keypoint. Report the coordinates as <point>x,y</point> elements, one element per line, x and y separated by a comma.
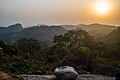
<point>33,12</point>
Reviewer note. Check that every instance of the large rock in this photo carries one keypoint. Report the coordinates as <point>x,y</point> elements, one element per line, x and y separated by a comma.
<point>65,73</point>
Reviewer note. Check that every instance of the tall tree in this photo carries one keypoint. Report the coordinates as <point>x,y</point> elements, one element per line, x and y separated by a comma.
<point>73,40</point>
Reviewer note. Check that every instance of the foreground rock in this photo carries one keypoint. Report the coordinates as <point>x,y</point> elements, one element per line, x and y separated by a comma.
<point>66,73</point>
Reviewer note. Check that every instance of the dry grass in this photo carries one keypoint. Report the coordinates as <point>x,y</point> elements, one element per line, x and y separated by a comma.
<point>5,76</point>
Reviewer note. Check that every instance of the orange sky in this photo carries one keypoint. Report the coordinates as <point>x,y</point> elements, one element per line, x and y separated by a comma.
<point>31,12</point>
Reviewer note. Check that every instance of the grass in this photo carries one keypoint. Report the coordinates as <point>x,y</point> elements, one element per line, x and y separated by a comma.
<point>5,76</point>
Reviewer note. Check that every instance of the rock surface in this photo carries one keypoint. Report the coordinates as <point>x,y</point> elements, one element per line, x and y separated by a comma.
<point>80,77</point>
<point>94,77</point>
<point>38,77</point>
<point>83,72</point>
<point>66,73</point>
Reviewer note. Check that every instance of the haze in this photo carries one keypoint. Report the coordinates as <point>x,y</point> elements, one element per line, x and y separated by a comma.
<point>32,12</point>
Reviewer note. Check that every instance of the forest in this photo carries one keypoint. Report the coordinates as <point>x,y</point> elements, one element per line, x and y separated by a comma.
<point>74,48</point>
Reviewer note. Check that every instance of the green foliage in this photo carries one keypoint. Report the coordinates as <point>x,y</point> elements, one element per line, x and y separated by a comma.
<point>84,50</point>
<point>20,66</point>
<point>73,39</point>
<point>28,45</point>
<point>2,44</point>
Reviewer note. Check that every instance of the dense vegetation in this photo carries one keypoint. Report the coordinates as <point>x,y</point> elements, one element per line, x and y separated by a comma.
<point>75,48</point>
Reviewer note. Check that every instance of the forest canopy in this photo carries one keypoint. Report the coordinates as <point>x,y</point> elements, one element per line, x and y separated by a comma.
<point>75,48</point>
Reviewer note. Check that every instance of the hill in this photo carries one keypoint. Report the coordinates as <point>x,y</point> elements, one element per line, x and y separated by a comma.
<point>42,33</point>
<point>97,30</point>
<point>6,32</point>
<point>112,37</point>
<point>69,27</point>
<point>46,33</point>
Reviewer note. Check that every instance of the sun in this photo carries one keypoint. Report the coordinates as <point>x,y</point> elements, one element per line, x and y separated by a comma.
<point>102,7</point>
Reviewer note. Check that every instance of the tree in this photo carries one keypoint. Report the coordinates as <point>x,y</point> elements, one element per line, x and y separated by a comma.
<point>8,48</point>
<point>73,40</point>
<point>2,44</point>
<point>31,46</point>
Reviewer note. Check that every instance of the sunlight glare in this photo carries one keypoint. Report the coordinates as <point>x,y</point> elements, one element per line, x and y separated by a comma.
<point>102,7</point>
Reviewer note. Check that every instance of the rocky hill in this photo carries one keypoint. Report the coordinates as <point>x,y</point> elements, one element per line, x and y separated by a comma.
<point>7,32</point>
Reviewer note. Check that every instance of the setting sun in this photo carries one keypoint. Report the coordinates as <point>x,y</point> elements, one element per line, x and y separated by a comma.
<point>102,7</point>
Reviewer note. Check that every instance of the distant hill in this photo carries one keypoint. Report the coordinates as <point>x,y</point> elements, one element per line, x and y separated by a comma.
<point>6,32</point>
<point>12,28</point>
<point>42,33</point>
<point>69,27</point>
<point>46,33</point>
<point>96,30</point>
<point>112,37</point>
